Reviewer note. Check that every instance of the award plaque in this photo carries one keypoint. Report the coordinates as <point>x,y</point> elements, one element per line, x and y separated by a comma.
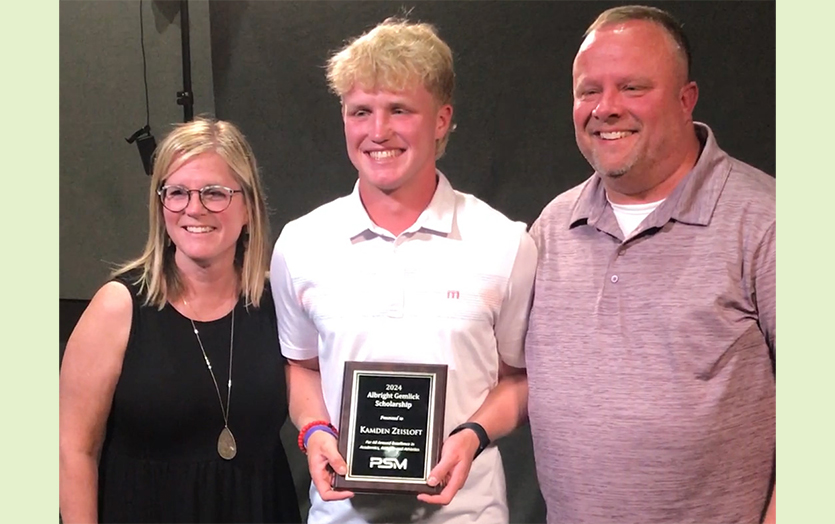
<point>391,426</point>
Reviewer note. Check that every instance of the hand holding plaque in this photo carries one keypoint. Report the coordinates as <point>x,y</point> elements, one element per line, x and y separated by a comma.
<point>323,461</point>
<point>391,426</point>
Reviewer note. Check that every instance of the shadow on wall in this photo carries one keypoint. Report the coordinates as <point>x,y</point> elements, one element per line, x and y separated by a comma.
<point>524,498</point>
<point>165,13</point>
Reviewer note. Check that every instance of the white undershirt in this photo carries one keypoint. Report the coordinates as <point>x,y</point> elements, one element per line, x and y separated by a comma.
<point>630,216</point>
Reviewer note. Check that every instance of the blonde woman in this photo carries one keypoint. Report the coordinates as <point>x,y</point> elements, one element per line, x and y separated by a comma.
<point>172,385</point>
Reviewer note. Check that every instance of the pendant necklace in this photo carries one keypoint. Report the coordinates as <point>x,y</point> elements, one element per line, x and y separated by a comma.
<point>227,448</point>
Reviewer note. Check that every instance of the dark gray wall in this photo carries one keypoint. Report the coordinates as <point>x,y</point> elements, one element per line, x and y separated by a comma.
<point>514,146</point>
<point>102,184</point>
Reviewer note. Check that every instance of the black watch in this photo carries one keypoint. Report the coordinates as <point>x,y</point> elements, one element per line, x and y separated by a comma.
<point>483,439</point>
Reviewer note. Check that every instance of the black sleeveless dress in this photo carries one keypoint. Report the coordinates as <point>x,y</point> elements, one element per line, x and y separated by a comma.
<point>159,460</point>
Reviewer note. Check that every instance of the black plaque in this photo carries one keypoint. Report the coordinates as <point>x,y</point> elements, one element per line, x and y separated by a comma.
<point>391,426</point>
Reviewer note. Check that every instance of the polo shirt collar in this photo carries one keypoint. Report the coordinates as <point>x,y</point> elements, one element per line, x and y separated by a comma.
<point>691,202</point>
<point>438,215</point>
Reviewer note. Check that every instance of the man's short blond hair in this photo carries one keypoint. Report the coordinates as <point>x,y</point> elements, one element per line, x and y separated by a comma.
<point>393,56</point>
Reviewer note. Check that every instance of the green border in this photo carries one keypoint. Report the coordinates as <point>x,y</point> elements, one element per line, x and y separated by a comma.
<point>805,190</point>
<point>29,387</point>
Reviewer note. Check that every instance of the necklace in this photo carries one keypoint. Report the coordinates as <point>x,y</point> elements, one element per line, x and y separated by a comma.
<point>227,448</point>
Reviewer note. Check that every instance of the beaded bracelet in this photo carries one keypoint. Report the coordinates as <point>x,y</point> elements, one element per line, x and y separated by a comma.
<point>312,427</point>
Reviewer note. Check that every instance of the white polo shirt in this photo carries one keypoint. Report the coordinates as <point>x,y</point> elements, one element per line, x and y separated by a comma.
<point>454,288</point>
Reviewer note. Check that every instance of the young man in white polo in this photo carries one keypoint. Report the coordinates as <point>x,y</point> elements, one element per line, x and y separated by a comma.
<point>405,269</point>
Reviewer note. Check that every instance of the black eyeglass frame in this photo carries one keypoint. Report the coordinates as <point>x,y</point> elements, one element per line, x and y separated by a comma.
<point>161,193</point>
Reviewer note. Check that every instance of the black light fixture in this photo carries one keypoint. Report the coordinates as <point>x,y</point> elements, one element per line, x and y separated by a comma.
<point>143,138</point>
<point>145,141</point>
<point>147,145</point>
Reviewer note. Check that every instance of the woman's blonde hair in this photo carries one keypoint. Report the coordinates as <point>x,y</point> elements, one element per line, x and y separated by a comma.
<point>158,276</point>
<point>392,56</point>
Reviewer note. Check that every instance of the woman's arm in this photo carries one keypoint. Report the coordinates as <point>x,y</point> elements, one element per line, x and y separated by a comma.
<point>89,372</point>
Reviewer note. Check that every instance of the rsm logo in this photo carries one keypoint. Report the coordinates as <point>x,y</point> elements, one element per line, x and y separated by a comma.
<point>387,463</point>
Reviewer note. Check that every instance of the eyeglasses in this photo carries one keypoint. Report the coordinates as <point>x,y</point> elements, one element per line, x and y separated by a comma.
<point>214,198</point>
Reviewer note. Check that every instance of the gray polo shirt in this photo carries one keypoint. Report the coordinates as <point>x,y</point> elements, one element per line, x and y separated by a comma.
<point>652,393</point>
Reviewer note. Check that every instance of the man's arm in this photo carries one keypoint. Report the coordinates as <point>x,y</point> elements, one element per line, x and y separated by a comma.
<point>771,512</point>
<point>299,344</point>
<point>506,405</point>
<point>304,391</point>
<point>764,270</point>
<point>765,283</point>
<point>505,408</point>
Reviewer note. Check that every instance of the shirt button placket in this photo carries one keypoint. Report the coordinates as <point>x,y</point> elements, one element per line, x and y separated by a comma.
<point>614,278</point>
<point>398,277</point>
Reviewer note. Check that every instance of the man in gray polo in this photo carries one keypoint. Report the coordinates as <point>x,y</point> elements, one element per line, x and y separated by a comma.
<point>652,338</point>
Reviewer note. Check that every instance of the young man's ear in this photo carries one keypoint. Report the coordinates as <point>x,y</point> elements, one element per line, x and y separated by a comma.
<point>444,121</point>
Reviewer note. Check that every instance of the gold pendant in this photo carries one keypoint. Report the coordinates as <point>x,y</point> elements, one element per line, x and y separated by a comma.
<point>226,446</point>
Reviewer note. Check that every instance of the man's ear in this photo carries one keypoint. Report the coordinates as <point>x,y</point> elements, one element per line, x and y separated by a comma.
<point>444,120</point>
<point>688,97</point>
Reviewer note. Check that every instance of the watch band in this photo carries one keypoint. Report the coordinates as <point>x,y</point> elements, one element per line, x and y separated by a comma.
<point>483,439</point>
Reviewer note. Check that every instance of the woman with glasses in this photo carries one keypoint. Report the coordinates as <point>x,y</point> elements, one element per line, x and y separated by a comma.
<point>172,385</point>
